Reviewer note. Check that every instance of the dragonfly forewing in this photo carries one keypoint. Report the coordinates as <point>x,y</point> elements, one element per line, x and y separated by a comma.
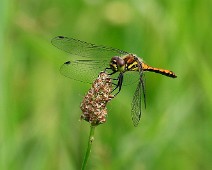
<point>84,49</point>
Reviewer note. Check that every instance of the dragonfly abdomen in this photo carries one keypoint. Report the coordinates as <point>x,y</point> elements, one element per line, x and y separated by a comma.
<point>165,72</point>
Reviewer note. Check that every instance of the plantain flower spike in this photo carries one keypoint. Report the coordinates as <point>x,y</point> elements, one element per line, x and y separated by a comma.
<point>94,103</point>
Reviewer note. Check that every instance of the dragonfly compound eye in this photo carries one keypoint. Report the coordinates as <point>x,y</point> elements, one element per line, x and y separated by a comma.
<point>114,59</point>
<point>120,62</point>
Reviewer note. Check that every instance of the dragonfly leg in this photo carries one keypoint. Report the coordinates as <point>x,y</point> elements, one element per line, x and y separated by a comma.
<point>106,69</point>
<point>119,84</point>
<point>120,80</point>
<point>115,79</point>
<point>112,72</point>
<point>109,69</point>
<point>116,84</point>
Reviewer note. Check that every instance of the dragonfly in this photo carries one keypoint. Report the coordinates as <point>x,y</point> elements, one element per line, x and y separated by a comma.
<point>88,59</point>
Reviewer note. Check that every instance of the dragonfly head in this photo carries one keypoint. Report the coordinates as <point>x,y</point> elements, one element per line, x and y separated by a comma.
<point>117,64</point>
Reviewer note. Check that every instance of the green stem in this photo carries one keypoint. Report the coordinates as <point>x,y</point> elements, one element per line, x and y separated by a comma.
<point>90,141</point>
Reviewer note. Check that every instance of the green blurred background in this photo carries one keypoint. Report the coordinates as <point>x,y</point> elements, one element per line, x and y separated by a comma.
<point>39,108</point>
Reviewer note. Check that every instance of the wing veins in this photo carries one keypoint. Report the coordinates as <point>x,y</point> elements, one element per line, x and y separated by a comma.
<point>84,49</point>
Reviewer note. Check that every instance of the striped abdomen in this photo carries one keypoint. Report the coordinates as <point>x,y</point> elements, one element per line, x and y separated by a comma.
<point>168,73</point>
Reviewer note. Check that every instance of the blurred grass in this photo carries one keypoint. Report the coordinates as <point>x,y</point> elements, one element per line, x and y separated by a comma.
<point>40,108</point>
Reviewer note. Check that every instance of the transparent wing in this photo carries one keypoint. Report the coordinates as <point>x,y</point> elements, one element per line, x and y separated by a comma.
<point>83,70</point>
<point>136,103</point>
<point>87,70</point>
<point>130,77</point>
<point>84,49</point>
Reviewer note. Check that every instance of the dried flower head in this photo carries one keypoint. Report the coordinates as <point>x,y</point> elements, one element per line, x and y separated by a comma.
<point>94,103</point>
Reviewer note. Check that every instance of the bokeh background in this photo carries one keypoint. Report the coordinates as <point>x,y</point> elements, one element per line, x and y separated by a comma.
<point>39,108</point>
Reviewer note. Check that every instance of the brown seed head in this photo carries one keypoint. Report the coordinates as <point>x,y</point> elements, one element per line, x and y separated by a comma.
<point>94,103</point>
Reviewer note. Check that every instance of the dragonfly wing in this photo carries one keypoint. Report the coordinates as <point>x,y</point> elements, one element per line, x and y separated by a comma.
<point>136,103</point>
<point>83,70</point>
<point>84,49</point>
<point>130,77</point>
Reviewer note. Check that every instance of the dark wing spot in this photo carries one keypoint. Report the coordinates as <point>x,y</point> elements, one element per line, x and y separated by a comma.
<point>61,37</point>
<point>67,62</point>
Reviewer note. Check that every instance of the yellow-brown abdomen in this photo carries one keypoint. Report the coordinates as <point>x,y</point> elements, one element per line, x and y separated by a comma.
<point>168,73</point>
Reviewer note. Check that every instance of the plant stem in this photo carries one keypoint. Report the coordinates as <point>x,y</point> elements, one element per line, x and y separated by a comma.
<point>90,141</point>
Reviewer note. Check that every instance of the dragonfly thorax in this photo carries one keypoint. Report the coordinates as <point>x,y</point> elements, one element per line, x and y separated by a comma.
<point>117,64</point>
